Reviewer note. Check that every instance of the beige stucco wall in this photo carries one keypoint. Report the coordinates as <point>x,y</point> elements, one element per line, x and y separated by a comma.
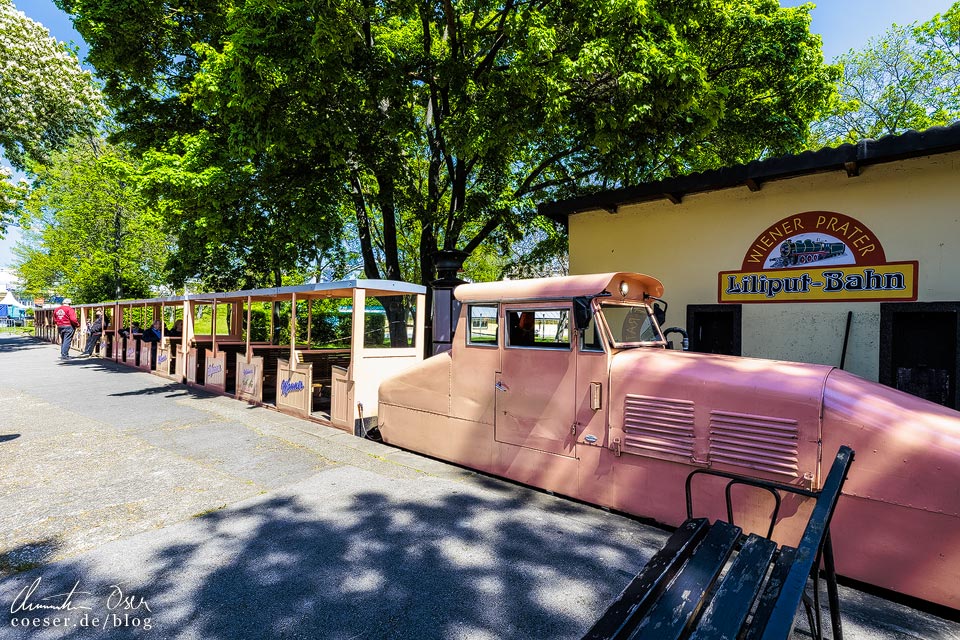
<point>912,206</point>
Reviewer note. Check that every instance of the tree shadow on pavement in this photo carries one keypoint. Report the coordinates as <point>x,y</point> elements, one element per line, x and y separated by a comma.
<point>172,390</point>
<point>27,556</point>
<point>368,565</point>
<point>10,343</point>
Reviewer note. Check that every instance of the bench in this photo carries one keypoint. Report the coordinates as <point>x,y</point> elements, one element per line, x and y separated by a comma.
<point>270,355</point>
<point>323,362</point>
<point>684,592</point>
<point>231,349</point>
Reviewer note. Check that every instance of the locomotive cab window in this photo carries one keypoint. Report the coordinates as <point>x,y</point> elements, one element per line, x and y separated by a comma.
<point>631,324</point>
<point>483,328</point>
<point>539,328</point>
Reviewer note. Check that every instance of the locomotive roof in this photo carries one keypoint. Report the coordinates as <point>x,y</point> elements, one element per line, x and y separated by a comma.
<point>565,287</point>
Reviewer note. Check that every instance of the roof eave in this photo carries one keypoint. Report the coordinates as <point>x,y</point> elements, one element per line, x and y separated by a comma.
<point>847,157</point>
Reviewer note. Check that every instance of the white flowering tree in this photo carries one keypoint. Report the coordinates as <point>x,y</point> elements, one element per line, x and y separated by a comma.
<point>45,96</point>
<point>45,99</point>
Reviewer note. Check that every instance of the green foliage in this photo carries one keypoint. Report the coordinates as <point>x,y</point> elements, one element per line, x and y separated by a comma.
<point>143,52</point>
<point>204,319</point>
<point>241,223</point>
<point>331,331</point>
<point>939,39</point>
<point>541,253</point>
<point>908,78</point>
<point>88,234</point>
<point>12,195</point>
<point>259,322</point>
<point>374,329</point>
<point>273,130</point>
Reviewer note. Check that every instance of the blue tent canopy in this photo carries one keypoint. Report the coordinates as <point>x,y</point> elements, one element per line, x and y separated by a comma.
<point>10,308</point>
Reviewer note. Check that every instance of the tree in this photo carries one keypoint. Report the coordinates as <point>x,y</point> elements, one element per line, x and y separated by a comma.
<point>438,125</point>
<point>242,219</point>
<point>45,97</point>
<point>11,198</point>
<point>939,39</point>
<point>241,222</point>
<point>908,78</point>
<point>88,234</point>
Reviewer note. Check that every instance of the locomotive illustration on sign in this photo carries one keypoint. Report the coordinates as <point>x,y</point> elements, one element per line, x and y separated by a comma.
<point>596,408</point>
<point>808,248</point>
<point>804,251</point>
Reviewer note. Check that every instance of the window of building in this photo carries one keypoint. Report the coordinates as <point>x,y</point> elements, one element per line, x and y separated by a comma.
<point>715,328</point>
<point>919,349</point>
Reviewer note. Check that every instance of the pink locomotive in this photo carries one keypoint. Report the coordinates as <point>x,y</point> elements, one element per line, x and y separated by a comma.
<point>566,384</point>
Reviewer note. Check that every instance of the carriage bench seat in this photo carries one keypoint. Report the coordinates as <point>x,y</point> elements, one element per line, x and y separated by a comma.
<point>691,589</point>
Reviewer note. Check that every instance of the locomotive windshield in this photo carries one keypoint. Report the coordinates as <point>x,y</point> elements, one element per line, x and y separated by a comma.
<point>631,324</point>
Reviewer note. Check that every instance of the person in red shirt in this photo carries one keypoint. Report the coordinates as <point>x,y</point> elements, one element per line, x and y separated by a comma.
<point>66,320</point>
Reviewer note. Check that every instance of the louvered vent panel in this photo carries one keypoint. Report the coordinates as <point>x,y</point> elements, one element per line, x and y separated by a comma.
<point>654,426</point>
<point>756,442</point>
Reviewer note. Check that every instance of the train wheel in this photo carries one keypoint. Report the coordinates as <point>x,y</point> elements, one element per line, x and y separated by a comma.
<point>816,257</point>
<point>803,259</point>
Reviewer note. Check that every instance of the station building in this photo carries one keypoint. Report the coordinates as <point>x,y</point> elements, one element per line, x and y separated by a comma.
<point>847,256</point>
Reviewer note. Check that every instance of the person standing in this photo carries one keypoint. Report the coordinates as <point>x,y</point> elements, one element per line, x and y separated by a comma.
<point>66,320</point>
<point>95,330</point>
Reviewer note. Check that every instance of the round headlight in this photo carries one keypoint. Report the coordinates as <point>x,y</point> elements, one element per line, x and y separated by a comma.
<point>624,288</point>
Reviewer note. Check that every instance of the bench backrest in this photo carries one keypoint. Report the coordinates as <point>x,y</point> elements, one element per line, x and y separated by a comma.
<point>685,592</point>
<point>781,619</point>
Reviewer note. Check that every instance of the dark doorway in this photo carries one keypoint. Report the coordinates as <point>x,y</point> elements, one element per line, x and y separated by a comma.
<point>714,328</point>
<point>918,349</point>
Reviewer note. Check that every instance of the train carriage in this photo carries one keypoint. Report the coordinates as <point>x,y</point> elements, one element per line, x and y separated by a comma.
<point>315,350</point>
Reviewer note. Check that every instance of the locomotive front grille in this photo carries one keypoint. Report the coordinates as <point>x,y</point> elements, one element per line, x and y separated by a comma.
<point>762,443</point>
<point>653,426</point>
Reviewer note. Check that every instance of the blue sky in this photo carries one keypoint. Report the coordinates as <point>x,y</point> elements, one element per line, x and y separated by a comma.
<point>849,24</point>
<point>843,24</point>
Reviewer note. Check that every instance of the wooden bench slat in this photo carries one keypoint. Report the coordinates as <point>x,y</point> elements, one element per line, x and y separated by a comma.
<point>771,593</point>
<point>737,591</point>
<point>678,606</point>
<point>634,602</point>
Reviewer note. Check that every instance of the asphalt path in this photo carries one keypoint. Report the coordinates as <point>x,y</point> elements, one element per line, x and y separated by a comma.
<point>144,509</point>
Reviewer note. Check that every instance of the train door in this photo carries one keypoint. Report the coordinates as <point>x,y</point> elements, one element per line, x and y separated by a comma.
<point>592,394</point>
<point>535,388</point>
